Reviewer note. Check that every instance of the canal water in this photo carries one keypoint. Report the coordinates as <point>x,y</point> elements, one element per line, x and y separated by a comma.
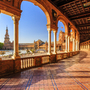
<point>10,52</point>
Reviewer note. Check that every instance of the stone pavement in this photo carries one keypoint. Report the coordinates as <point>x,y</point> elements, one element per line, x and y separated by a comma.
<point>68,74</point>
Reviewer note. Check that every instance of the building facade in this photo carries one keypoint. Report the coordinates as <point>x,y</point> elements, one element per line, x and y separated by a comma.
<point>38,44</point>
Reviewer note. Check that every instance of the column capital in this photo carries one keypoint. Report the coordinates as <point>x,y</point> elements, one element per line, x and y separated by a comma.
<point>66,36</point>
<point>54,31</point>
<point>48,26</point>
<point>15,18</point>
<point>48,29</point>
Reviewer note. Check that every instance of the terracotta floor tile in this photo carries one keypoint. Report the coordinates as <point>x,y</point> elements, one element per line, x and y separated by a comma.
<point>68,74</point>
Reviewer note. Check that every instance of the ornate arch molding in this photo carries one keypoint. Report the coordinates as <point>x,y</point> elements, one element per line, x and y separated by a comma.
<point>44,7</point>
<point>10,7</point>
<point>62,19</point>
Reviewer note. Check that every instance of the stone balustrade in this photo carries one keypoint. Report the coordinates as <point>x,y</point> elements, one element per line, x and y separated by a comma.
<point>14,66</point>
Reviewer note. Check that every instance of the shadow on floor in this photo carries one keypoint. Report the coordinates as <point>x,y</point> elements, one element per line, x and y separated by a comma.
<point>35,75</point>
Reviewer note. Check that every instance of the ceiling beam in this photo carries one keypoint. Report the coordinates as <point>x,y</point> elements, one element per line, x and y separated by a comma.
<point>78,16</point>
<point>55,1</point>
<point>83,21</point>
<point>87,30</point>
<point>72,8</point>
<point>60,3</point>
<point>82,5</point>
<point>77,7</point>
<point>68,9</point>
<point>83,25</point>
<point>86,2</point>
<point>84,32</point>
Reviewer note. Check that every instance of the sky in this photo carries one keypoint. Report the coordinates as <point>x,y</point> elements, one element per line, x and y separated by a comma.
<point>32,25</point>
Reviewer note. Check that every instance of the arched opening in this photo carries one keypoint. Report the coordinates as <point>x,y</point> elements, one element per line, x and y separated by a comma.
<point>33,30</point>
<point>6,36</point>
<point>61,37</point>
<point>42,7</point>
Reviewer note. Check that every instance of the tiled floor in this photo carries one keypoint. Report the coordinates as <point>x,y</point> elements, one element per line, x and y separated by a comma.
<point>68,74</point>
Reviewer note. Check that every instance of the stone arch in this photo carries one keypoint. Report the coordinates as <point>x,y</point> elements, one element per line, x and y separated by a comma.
<point>43,6</point>
<point>62,19</point>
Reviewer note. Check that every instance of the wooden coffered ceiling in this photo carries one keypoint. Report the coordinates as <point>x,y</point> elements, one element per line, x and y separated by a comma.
<point>77,13</point>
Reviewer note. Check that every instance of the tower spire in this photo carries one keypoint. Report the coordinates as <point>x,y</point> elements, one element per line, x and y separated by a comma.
<point>6,28</point>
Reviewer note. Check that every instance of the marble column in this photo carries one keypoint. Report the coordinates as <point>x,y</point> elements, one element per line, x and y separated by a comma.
<point>54,41</point>
<point>66,38</point>
<point>49,41</point>
<point>73,44</point>
<point>68,43</point>
<point>16,42</point>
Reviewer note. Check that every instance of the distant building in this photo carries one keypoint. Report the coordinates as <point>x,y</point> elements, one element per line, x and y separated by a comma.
<point>61,42</point>
<point>38,44</point>
<point>7,44</point>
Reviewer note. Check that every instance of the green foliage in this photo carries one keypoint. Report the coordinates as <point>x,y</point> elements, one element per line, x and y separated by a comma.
<point>2,53</point>
<point>1,45</point>
<point>32,50</point>
<point>28,51</point>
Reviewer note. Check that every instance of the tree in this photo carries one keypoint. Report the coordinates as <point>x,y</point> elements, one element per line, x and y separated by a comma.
<point>1,45</point>
<point>32,50</point>
<point>2,53</point>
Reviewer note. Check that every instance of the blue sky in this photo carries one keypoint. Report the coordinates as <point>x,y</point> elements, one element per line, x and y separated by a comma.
<point>32,25</point>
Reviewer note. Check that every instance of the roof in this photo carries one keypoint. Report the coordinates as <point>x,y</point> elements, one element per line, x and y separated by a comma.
<point>26,43</point>
<point>78,12</point>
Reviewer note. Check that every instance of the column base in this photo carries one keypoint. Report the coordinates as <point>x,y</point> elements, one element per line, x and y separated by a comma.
<point>66,51</point>
<point>49,53</point>
<point>54,53</point>
<point>15,57</point>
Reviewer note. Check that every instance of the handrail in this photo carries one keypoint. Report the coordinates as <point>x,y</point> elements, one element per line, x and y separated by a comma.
<point>13,66</point>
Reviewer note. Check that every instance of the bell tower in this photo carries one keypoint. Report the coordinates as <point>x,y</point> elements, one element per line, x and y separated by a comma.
<point>6,40</point>
<point>6,36</point>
